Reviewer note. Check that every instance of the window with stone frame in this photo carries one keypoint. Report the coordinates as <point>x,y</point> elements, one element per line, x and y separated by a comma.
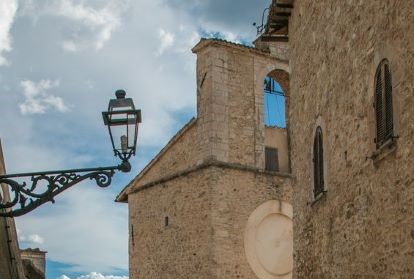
<point>271,159</point>
<point>318,163</point>
<point>383,104</point>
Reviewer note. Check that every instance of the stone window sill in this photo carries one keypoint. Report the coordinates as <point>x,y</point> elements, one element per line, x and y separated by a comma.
<point>319,197</point>
<point>384,150</point>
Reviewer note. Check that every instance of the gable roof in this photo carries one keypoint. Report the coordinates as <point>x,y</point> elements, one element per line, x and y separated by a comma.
<point>123,196</point>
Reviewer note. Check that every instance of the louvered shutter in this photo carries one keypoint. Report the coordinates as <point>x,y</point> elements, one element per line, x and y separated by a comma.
<point>320,163</point>
<point>318,171</point>
<point>389,125</point>
<point>315,165</point>
<point>379,107</point>
<point>383,104</point>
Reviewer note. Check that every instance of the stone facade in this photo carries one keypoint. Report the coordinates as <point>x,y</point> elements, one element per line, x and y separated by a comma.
<point>10,262</point>
<point>34,262</point>
<point>189,208</point>
<point>363,226</point>
<point>278,138</point>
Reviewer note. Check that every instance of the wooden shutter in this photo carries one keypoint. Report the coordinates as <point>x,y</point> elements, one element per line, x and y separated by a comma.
<point>389,123</point>
<point>315,165</point>
<point>383,104</point>
<point>318,162</point>
<point>271,159</point>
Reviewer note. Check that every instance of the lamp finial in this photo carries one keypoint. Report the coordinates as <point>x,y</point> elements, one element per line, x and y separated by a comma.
<point>120,94</point>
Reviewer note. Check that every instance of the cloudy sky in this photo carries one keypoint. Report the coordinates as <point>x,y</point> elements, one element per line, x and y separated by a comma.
<point>60,63</point>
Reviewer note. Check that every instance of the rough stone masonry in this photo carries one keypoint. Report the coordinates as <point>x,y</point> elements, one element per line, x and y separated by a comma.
<point>363,227</point>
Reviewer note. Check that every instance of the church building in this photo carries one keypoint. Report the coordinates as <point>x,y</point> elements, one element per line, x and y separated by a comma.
<point>328,194</point>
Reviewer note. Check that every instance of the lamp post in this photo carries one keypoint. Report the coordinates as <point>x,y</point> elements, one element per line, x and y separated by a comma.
<point>122,120</point>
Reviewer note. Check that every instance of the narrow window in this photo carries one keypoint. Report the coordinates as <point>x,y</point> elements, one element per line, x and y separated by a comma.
<point>318,162</point>
<point>383,104</point>
<point>274,104</point>
<point>132,235</point>
<point>166,221</point>
<point>271,159</point>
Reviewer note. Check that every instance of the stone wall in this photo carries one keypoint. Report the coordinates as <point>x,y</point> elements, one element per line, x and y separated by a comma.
<point>207,213</point>
<point>277,138</point>
<point>181,249</point>
<point>235,195</point>
<point>35,262</point>
<point>6,267</point>
<point>182,154</point>
<point>10,264</point>
<point>363,227</point>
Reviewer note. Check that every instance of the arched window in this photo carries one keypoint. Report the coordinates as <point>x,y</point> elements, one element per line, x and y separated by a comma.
<point>383,104</point>
<point>318,163</point>
<point>274,104</point>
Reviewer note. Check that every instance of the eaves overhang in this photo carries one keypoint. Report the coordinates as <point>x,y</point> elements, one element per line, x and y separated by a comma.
<point>276,28</point>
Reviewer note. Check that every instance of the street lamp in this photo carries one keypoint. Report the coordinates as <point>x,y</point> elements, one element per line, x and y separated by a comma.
<point>122,120</point>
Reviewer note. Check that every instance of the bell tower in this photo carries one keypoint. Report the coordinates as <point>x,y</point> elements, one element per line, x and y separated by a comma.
<point>230,100</point>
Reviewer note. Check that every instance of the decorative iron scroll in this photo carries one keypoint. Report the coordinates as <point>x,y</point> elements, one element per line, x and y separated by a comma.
<point>260,28</point>
<point>43,187</point>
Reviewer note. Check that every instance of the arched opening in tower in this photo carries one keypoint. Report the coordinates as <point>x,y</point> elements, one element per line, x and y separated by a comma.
<point>276,121</point>
<point>274,104</point>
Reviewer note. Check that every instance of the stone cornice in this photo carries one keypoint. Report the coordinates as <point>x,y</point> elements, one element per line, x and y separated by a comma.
<point>220,42</point>
<point>206,164</point>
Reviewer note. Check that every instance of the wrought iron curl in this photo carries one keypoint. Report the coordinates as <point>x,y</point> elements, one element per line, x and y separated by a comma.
<point>103,179</point>
<point>65,178</point>
<point>28,197</point>
<point>35,181</point>
<point>15,189</point>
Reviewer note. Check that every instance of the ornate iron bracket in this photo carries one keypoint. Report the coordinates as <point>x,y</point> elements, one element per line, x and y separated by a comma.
<point>46,185</point>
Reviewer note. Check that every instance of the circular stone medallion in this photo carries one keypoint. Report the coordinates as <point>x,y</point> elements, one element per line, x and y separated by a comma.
<point>268,240</point>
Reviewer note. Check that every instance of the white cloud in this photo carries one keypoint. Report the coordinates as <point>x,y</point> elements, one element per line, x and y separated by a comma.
<point>35,239</point>
<point>38,100</point>
<point>166,41</point>
<point>95,275</point>
<point>69,46</point>
<point>8,10</point>
<point>30,240</point>
<point>101,22</point>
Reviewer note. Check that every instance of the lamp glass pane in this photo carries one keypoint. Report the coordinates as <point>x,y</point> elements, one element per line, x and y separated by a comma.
<point>131,127</point>
<point>117,122</point>
<point>117,132</point>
